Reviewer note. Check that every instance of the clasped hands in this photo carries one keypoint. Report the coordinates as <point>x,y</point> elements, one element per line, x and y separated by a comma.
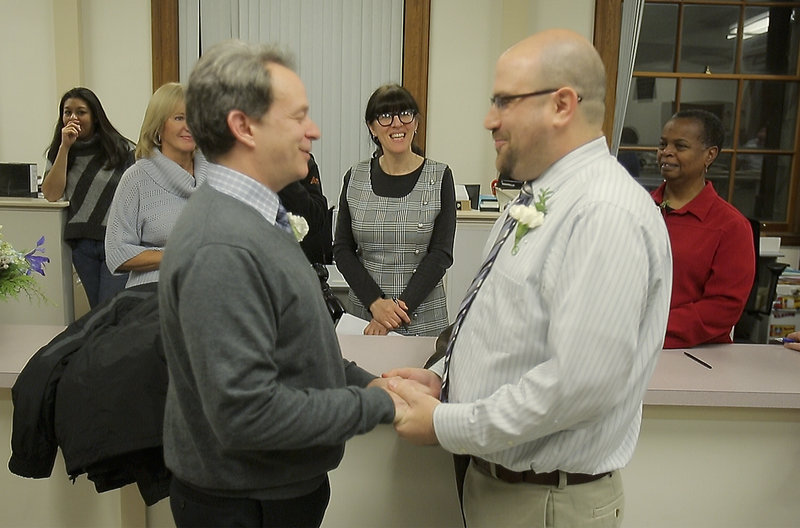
<point>415,393</point>
<point>387,315</point>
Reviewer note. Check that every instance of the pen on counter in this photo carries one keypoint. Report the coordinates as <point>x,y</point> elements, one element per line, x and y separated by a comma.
<point>706,365</point>
<point>786,340</point>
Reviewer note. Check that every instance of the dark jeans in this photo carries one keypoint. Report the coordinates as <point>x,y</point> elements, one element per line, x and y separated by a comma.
<point>191,508</point>
<point>89,259</point>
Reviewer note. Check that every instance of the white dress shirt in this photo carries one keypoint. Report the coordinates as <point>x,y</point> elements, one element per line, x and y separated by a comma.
<point>557,350</point>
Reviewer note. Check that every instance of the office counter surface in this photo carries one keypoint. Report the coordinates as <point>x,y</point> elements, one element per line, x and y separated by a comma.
<point>765,376</point>
<point>718,447</point>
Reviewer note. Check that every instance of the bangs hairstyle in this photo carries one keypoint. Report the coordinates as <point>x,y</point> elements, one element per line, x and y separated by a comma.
<point>389,98</point>
<point>163,105</point>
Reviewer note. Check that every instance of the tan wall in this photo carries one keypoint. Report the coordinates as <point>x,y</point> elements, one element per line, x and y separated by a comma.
<point>467,36</point>
<point>50,46</point>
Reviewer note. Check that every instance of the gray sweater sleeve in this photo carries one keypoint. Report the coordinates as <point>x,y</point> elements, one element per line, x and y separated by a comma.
<point>122,241</point>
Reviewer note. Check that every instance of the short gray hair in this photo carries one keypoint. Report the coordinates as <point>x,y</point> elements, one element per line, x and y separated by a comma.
<point>231,75</point>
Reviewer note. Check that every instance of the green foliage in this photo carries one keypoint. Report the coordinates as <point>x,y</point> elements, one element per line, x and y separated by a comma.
<point>13,282</point>
<point>541,202</point>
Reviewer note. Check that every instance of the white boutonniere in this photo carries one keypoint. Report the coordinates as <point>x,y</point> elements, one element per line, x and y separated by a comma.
<point>529,217</point>
<point>299,226</point>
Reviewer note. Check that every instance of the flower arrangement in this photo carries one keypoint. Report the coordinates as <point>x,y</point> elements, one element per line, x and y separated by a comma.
<point>529,217</point>
<point>299,226</point>
<point>16,270</point>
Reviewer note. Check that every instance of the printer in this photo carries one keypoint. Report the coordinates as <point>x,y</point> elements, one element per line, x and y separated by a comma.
<point>18,180</point>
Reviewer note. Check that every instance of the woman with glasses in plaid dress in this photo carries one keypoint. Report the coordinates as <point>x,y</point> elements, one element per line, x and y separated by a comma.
<point>396,225</point>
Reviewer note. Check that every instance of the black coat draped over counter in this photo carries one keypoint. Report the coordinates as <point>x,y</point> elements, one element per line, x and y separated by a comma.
<point>97,390</point>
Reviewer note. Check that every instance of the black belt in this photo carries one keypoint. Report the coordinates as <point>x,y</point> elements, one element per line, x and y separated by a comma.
<point>531,477</point>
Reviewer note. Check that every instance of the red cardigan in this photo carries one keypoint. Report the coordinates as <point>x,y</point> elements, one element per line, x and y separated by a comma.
<point>713,267</point>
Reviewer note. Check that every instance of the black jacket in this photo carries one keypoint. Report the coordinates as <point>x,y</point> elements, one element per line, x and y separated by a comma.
<point>305,198</point>
<point>97,390</point>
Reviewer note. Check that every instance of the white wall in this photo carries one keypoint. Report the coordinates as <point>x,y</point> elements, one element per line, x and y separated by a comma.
<point>464,45</point>
<point>101,44</point>
<point>577,15</point>
<point>466,37</point>
<point>117,60</point>
<point>28,101</point>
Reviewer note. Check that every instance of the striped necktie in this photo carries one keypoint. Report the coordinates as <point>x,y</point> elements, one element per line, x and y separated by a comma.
<point>524,198</point>
<point>282,219</point>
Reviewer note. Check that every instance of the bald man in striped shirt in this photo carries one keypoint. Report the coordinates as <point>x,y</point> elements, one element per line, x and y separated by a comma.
<point>552,353</point>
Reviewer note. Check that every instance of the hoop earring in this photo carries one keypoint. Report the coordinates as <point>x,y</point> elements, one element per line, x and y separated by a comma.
<point>157,140</point>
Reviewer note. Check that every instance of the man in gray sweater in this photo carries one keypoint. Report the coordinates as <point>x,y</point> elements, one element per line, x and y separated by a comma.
<point>260,401</point>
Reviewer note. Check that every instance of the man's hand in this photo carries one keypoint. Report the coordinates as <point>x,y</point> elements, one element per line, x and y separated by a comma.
<point>415,423</point>
<point>430,380</point>
<point>389,313</point>
<point>400,405</point>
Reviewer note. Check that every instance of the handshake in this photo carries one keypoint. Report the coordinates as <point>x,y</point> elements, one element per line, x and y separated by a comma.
<point>415,393</point>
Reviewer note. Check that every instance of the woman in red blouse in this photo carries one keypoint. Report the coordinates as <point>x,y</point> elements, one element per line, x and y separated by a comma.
<point>713,256</point>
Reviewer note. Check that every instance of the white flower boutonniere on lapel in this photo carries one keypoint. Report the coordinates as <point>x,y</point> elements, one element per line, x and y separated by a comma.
<point>529,217</point>
<point>299,226</point>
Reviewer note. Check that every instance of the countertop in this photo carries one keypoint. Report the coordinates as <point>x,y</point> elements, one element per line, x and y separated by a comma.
<point>32,203</point>
<point>477,215</point>
<point>18,343</point>
<point>765,376</point>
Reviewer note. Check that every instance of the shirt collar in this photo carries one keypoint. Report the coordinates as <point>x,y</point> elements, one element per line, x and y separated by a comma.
<point>559,172</point>
<point>698,207</point>
<point>245,189</point>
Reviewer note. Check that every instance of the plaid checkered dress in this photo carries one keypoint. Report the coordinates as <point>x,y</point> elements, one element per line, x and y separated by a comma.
<point>392,235</point>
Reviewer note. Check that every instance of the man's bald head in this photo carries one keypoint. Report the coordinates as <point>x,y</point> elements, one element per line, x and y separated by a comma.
<point>548,99</point>
<point>559,57</point>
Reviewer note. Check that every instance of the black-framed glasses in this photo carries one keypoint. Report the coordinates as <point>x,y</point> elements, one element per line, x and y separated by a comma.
<point>405,117</point>
<point>501,101</point>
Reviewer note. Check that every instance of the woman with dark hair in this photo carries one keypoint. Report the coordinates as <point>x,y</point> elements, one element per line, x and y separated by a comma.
<point>396,224</point>
<point>713,256</point>
<point>85,161</point>
<point>153,192</point>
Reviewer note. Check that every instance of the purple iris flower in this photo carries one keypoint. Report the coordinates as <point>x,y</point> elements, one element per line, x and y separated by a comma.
<point>35,262</point>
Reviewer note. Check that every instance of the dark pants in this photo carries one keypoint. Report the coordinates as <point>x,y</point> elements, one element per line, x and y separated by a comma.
<point>89,259</point>
<point>191,508</point>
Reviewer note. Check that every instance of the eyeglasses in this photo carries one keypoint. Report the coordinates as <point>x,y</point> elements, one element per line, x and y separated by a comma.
<point>405,117</point>
<point>501,101</point>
